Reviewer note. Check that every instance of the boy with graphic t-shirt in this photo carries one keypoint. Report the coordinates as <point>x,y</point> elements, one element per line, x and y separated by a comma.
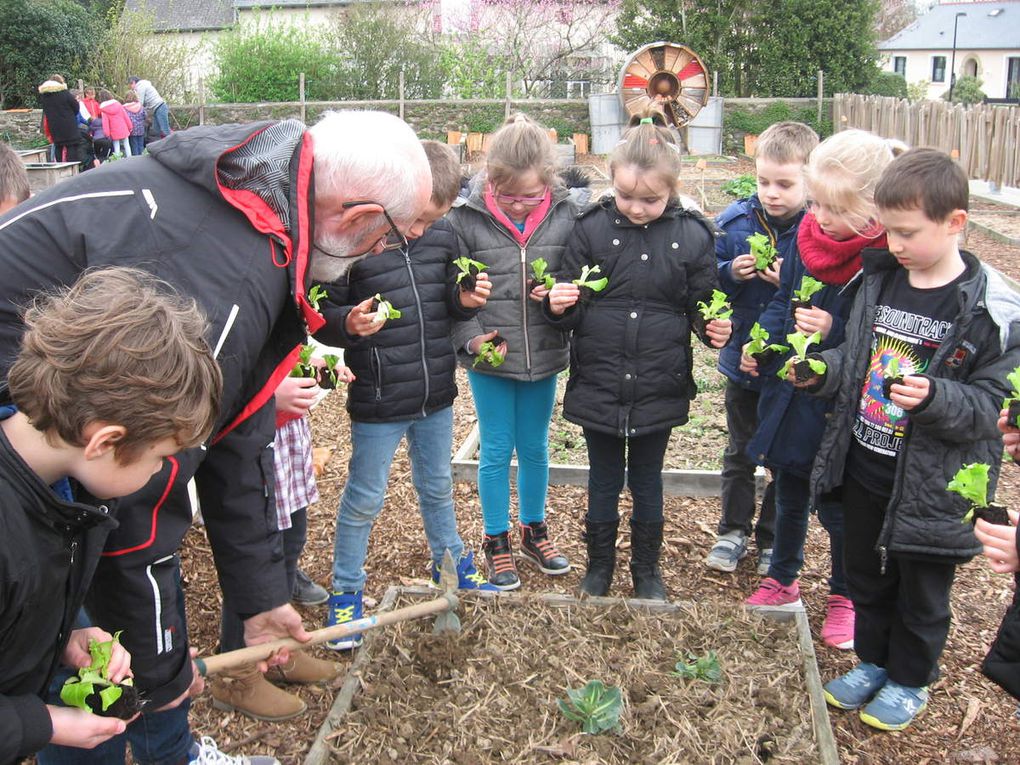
<point>945,326</point>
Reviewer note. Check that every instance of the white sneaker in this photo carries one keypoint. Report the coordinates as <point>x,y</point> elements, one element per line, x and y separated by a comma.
<point>205,752</point>
<point>727,551</point>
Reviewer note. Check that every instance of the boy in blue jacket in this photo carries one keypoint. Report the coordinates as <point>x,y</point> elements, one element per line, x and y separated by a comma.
<point>404,386</point>
<point>774,212</point>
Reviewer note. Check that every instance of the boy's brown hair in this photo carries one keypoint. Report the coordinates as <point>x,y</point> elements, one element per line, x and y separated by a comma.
<point>924,178</point>
<point>105,95</point>
<point>445,173</point>
<point>649,148</point>
<point>117,347</point>
<point>786,142</point>
<point>13,177</point>
<point>517,147</point>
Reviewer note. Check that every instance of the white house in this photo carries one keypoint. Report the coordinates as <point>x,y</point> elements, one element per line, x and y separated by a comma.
<point>987,35</point>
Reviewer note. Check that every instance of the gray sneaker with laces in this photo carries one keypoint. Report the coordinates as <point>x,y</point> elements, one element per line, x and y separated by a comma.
<point>727,551</point>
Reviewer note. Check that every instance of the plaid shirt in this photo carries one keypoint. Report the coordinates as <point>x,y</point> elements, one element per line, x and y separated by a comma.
<point>292,468</point>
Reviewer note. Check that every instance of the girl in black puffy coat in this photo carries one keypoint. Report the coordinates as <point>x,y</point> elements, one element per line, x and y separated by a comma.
<point>630,355</point>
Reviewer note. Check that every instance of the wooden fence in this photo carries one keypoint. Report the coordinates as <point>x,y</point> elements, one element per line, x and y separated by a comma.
<point>985,138</point>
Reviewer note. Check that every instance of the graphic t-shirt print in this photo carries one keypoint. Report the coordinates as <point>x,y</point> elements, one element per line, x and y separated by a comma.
<point>904,339</point>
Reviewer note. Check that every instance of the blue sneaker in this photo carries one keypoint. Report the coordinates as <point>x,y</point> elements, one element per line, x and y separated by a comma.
<point>855,689</point>
<point>895,706</point>
<point>468,577</point>
<point>344,607</point>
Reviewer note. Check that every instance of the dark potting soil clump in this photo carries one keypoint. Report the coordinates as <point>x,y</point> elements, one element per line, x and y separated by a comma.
<point>127,706</point>
<point>994,514</point>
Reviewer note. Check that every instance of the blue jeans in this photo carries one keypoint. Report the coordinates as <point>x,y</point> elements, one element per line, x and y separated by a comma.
<point>513,415</point>
<point>161,117</point>
<point>792,515</point>
<point>137,144</point>
<point>430,445</point>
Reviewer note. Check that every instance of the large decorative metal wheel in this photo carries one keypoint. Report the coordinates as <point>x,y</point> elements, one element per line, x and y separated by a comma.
<point>668,75</point>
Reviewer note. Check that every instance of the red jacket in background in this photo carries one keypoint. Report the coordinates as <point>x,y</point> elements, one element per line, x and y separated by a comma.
<point>92,105</point>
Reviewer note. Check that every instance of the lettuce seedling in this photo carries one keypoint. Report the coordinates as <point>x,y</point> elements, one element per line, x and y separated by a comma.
<point>764,252</point>
<point>719,308</point>
<point>891,376</point>
<point>304,366</point>
<point>802,295</point>
<point>383,310</point>
<point>760,348</point>
<point>595,285</point>
<point>539,275</point>
<point>316,295</point>
<point>92,690</point>
<point>489,353</point>
<point>705,668</point>
<point>596,706</point>
<point>468,270</point>
<point>1012,402</point>
<point>805,367</point>
<point>327,376</point>
<point>971,483</point>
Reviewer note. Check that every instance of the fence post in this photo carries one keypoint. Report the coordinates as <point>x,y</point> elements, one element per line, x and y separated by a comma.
<point>509,94</point>
<point>715,85</point>
<point>821,93</point>
<point>301,93</point>
<point>400,86</point>
<point>81,85</point>
<point>201,100</point>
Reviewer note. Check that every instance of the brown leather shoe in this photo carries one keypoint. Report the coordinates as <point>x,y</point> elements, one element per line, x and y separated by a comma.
<point>246,691</point>
<point>303,668</point>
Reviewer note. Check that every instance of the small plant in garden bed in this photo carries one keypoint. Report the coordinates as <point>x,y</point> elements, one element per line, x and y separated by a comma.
<point>803,367</point>
<point>489,352</point>
<point>467,275</point>
<point>92,690</point>
<point>891,376</point>
<point>801,297</point>
<point>718,308</point>
<point>596,706</point>
<point>740,187</point>
<point>383,310</point>
<point>971,483</point>
<point>1012,402</point>
<point>760,349</point>
<point>539,275</point>
<point>764,252</point>
<point>705,668</point>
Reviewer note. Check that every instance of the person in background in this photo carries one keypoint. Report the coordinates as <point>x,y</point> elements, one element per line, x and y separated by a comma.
<point>137,115</point>
<point>153,103</point>
<point>90,102</point>
<point>60,113</point>
<point>117,124</point>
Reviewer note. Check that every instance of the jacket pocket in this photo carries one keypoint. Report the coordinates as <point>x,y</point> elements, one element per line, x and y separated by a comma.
<point>376,366</point>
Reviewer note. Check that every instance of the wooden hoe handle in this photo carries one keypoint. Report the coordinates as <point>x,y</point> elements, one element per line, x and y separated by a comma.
<point>256,653</point>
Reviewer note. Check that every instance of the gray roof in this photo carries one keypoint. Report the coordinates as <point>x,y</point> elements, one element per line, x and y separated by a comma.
<point>186,15</point>
<point>988,25</point>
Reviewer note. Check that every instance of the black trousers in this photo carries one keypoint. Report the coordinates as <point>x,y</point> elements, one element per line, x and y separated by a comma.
<point>614,459</point>
<point>738,497</point>
<point>903,615</point>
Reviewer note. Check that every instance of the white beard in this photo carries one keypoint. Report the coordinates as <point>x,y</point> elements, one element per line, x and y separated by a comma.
<point>326,268</point>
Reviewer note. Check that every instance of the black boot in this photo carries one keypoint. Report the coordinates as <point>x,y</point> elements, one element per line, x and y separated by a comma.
<point>601,538</point>
<point>645,546</point>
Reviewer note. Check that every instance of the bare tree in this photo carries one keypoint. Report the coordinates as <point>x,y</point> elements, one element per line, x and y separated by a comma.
<point>893,16</point>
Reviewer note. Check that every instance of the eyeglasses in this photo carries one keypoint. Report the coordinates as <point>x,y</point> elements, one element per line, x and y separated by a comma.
<point>511,199</point>
<point>394,239</point>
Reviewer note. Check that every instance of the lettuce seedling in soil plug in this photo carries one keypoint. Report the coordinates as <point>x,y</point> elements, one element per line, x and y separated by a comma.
<point>1012,403</point>
<point>764,252</point>
<point>801,297</point>
<point>304,366</point>
<point>489,353</point>
<point>891,376</point>
<point>971,483</point>
<point>327,375</point>
<point>589,285</point>
<point>538,275</point>
<point>705,668</point>
<point>803,367</point>
<point>92,690</point>
<point>383,310</point>
<point>596,706</point>
<point>760,349</point>
<point>718,308</point>
<point>467,275</point>
<point>316,295</point>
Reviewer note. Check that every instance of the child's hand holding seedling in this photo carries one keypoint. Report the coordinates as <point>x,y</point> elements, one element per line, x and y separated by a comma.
<point>369,316</point>
<point>716,314</point>
<point>77,654</point>
<point>909,394</point>
<point>295,395</point>
<point>772,273</point>
<point>562,296</point>
<point>800,369</point>
<point>477,297</point>
<point>742,268</point>
<point>493,338</point>
<point>1010,435</point>
<point>999,543</point>
<point>811,320</point>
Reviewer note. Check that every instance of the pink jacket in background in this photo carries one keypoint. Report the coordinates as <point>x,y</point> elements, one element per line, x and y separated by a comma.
<point>116,122</point>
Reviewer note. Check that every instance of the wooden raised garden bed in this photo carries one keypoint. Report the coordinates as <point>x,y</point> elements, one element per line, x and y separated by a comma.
<point>489,694</point>
<point>42,175</point>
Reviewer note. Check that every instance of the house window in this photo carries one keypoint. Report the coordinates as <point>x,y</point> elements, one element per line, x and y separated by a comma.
<point>899,65</point>
<point>938,68</point>
<point>1013,77</point>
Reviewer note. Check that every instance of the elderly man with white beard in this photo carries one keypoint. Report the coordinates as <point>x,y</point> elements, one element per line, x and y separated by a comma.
<point>243,218</point>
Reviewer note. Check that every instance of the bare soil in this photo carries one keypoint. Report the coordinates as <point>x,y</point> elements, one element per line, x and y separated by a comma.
<point>969,719</point>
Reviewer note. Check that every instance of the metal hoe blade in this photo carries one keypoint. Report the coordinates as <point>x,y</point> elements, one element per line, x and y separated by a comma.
<point>448,621</point>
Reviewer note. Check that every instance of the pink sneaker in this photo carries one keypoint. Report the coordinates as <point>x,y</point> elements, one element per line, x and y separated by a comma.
<point>838,627</point>
<point>773,596</point>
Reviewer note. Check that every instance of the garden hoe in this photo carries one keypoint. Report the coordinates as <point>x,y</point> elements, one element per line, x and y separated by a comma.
<point>444,607</point>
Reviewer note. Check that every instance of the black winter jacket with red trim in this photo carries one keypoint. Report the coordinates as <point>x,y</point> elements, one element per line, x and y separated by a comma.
<point>169,214</point>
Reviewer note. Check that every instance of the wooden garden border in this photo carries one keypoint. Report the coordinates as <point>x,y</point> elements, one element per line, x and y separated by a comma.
<point>319,754</point>
<point>677,483</point>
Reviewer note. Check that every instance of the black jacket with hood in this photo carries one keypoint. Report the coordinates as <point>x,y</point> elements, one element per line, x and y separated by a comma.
<point>223,215</point>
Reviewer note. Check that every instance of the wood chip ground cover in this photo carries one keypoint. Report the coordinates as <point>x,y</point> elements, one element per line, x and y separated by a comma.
<point>489,694</point>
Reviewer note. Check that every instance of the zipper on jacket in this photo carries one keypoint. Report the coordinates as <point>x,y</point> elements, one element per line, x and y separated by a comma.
<point>524,305</point>
<point>378,373</point>
<point>421,329</point>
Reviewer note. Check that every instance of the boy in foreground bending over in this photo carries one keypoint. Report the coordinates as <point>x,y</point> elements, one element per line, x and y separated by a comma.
<point>950,324</point>
<point>113,375</point>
